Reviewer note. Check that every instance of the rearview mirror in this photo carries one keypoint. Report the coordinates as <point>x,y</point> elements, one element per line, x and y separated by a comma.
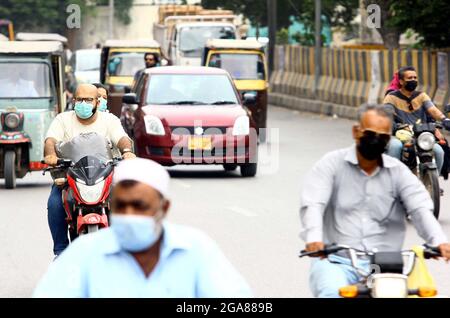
<point>130,98</point>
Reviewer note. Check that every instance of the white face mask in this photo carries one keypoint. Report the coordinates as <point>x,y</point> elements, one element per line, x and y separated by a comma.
<point>136,233</point>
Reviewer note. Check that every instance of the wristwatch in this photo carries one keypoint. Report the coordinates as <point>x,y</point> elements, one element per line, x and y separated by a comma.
<point>126,150</point>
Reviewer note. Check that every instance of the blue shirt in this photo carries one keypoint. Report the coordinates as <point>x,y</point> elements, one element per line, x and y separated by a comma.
<point>190,265</point>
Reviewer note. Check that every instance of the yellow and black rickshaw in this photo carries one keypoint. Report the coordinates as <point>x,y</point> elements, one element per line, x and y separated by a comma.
<point>245,60</point>
<point>120,60</point>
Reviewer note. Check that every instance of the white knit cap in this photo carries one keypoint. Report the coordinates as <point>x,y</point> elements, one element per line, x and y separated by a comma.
<point>145,171</point>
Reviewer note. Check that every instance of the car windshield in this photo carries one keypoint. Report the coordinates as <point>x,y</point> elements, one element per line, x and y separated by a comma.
<point>190,89</point>
<point>240,66</point>
<point>194,38</point>
<point>125,63</point>
<point>25,80</point>
<point>88,60</point>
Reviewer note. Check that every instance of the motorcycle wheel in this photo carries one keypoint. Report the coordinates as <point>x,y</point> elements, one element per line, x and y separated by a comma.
<point>10,169</point>
<point>91,228</point>
<point>431,182</point>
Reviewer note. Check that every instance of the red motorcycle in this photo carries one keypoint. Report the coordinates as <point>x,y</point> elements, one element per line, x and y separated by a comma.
<point>86,191</point>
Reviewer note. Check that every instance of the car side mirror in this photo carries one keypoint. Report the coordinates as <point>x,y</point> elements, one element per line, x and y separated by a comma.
<point>130,98</point>
<point>249,98</point>
<point>164,62</point>
<point>127,89</point>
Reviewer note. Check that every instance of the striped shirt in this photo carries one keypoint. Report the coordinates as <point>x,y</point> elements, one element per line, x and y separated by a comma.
<point>408,110</point>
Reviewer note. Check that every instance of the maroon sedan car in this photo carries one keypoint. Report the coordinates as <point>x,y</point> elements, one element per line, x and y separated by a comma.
<point>191,115</point>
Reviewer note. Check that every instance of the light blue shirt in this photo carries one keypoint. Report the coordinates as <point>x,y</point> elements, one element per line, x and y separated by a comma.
<point>190,265</point>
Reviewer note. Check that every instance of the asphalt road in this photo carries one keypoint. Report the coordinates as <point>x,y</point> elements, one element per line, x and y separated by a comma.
<point>255,221</point>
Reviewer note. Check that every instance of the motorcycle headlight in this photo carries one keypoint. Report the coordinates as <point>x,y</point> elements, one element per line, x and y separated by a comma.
<point>91,194</point>
<point>154,126</point>
<point>12,120</point>
<point>426,141</point>
<point>241,126</point>
<point>389,286</point>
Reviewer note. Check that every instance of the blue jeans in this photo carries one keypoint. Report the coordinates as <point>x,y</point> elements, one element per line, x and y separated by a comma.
<point>57,220</point>
<point>395,150</point>
<point>329,274</point>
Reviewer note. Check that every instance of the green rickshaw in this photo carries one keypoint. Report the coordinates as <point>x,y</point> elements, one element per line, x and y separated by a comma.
<point>31,95</point>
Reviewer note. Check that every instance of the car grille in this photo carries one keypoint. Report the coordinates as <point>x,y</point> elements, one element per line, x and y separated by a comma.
<point>190,130</point>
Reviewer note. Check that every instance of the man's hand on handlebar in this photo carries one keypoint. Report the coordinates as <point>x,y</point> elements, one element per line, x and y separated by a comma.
<point>445,251</point>
<point>51,160</point>
<point>446,123</point>
<point>315,247</point>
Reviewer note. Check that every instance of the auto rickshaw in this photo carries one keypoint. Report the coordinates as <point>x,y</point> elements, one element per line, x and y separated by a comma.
<point>120,60</point>
<point>246,62</point>
<point>31,95</point>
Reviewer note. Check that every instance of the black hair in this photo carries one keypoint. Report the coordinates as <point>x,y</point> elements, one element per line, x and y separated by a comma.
<point>99,85</point>
<point>403,70</point>
<point>154,55</point>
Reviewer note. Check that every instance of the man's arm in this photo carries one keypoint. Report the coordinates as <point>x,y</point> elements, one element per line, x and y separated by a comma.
<point>120,138</point>
<point>317,190</point>
<point>436,113</point>
<point>126,148</point>
<point>50,156</point>
<point>419,206</point>
<point>55,133</point>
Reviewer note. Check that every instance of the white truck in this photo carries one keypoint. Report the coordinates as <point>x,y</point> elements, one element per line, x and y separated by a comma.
<point>183,37</point>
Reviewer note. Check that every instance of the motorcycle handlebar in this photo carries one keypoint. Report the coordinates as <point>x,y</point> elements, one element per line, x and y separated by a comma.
<point>429,251</point>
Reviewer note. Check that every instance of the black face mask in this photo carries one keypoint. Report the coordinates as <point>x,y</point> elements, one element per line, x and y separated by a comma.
<point>411,86</point>
<point>372,147</point>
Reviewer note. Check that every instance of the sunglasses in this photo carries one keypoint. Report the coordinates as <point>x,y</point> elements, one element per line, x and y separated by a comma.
<point>88,100</point>
<point>137,205</point>
<point>373,134</point>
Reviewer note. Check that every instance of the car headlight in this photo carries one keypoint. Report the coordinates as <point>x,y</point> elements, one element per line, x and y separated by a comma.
<point>154,126</point>
<point>91,194</point>
<point>12,120</point>
<point>389,286</point>
<point>426,141</point>
<point>241,126</point>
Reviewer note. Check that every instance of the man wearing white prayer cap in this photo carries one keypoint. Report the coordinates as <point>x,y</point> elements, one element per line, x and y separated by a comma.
<point>141,254</point>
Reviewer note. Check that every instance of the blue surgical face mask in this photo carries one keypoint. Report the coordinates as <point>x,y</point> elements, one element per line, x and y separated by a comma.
<point>136,233</point>
<point>84,110</point>
<point>103,105</point>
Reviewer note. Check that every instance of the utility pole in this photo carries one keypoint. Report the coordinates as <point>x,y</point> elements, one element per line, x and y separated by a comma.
<point>272,19</point>
<point>111,19</point>
<point>318,42</point>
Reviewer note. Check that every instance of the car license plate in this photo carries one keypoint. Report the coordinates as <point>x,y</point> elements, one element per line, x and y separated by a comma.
<point>199,143</point>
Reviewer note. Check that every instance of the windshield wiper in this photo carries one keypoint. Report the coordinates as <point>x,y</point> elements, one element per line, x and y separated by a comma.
<point>223,102</point>
<point>185,102</point>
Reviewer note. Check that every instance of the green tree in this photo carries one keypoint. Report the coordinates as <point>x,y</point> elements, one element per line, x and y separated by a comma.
<point>427,18</point>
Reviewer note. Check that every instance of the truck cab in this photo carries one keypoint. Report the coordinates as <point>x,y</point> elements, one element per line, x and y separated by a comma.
<point>188,40</point>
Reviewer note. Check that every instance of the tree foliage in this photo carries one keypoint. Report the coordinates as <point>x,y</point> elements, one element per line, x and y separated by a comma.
<point>427,18</point>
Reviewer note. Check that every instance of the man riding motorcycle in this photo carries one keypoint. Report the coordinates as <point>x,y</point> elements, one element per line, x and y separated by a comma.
<point>83,119</point>
<point>359,197</point>
<point>409,106</point>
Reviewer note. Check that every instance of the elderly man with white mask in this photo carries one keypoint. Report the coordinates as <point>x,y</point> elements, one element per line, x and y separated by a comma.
<point>141,255</point>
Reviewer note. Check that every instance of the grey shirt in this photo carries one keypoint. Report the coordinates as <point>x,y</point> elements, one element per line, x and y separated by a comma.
<point>342,204</point>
